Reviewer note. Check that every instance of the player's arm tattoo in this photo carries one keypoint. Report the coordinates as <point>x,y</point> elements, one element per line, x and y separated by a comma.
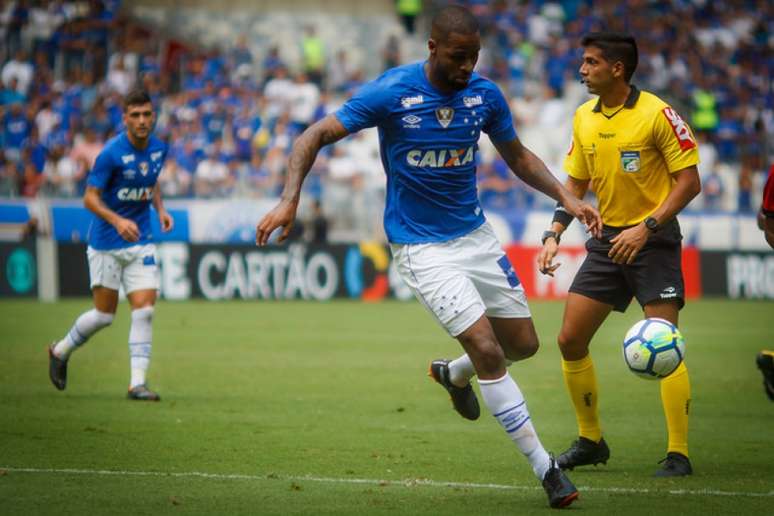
<point>529,168</point>
<point>305,149</point>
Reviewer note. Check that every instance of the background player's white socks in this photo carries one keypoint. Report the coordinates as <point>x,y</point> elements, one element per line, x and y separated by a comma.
<point>461,370</point>
<point>140,337</point>
<point>507,404</point>
<point>87,324</point>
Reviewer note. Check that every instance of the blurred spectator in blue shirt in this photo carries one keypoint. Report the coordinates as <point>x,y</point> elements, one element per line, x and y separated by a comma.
<point>16,128</point>
<point>9,94</point>
<point>244,128</point>
<point>18,18</point>
<point>728,134</point>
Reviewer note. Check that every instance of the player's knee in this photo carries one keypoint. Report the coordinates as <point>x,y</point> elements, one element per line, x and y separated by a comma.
<point>529,348</point>
<point>571,346</point>
<point>103,319</point>
<point>490,361</point>
<point>143,315</point>
<point>486,354</point>
<point>521,350</point>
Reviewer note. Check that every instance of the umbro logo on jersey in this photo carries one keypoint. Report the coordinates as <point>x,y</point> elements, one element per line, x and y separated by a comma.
<point>472,101</point>
<point>407,102</point>
<point>680,128</point>
<point>155,155</point>
<point>444,116</point>
<point>127,158</point>
<point>411,121</point>
<point>129,173</point>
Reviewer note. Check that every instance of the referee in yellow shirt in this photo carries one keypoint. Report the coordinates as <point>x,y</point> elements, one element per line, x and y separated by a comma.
<point>639,158</point>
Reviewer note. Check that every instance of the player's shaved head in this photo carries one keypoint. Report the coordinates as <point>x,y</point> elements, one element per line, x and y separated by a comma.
<point>453,19</point>
<point>454,45</point>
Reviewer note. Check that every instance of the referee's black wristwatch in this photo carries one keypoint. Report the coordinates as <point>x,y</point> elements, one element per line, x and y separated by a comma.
<point>652,224</point>
<point>549,234</point>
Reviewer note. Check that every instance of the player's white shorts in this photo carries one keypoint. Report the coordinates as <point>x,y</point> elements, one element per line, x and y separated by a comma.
<point>135,267</point>
<point>462,279</point>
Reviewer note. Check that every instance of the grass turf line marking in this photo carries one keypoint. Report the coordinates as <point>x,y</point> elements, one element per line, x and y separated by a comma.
<point>371,481</point>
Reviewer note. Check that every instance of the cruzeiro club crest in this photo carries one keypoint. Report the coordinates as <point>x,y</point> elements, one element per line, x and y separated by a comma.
<point>144,168</point>
<point>444,116</point>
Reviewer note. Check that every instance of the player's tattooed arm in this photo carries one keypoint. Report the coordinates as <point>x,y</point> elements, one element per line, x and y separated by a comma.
<point>305,149</point>
<point>92,199</point>
<point>324,132</point>
<point>531,169</point>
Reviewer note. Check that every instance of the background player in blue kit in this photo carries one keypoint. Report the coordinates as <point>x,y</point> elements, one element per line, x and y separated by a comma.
<point>430,116</point>
<point>120,189</point>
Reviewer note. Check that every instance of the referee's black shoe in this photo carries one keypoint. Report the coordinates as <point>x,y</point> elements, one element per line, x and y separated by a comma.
<point>57,369</point>
<point>674,465</point>
<point>765,361</point>
<point>583,452</point>
<point>463,398</point>
<point>561,492</point>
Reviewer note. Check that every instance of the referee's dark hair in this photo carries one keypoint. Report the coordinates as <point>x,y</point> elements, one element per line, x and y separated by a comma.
<point>615,46</point>
<point>136,97</point>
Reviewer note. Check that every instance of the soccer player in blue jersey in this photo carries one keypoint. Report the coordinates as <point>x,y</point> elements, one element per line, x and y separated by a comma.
<point>430,116</point>
<point>120,189</point>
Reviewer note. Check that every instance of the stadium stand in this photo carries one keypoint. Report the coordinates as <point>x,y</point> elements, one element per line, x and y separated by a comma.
<point>235,85</point>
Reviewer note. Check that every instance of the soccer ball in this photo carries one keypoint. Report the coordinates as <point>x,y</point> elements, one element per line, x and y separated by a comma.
<point>653,348</point>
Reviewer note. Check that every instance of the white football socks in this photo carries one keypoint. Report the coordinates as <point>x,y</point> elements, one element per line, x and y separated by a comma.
<point>140,337</point>
<point>506,402</point>
<point>461,370</point>
<point>87,324</point>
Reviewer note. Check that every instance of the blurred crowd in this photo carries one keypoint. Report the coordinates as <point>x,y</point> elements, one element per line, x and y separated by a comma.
<point>230,114</point>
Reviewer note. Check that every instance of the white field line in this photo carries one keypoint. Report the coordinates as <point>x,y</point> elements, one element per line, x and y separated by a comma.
<point>371,481</point>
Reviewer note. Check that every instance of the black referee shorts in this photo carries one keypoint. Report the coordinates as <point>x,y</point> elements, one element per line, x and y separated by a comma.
<point>656,273</point>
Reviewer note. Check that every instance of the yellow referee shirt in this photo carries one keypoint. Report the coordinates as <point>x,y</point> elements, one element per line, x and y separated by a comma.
<point>629,153</point>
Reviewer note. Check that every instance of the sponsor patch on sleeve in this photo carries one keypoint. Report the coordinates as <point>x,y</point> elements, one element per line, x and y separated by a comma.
<point>680,128</point>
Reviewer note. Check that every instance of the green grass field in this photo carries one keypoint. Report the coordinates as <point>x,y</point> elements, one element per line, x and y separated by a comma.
<point>305,408</point>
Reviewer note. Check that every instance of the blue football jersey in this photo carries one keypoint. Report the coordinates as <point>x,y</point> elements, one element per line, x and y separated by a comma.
<point>126,175</point>
<point>428,144</point>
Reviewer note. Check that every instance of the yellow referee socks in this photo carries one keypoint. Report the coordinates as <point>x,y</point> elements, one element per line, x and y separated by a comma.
<point>676,399</point>
<point>581,381</point>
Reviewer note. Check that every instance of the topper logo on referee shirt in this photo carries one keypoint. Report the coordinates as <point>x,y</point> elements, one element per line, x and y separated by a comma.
<point>444,115</point>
